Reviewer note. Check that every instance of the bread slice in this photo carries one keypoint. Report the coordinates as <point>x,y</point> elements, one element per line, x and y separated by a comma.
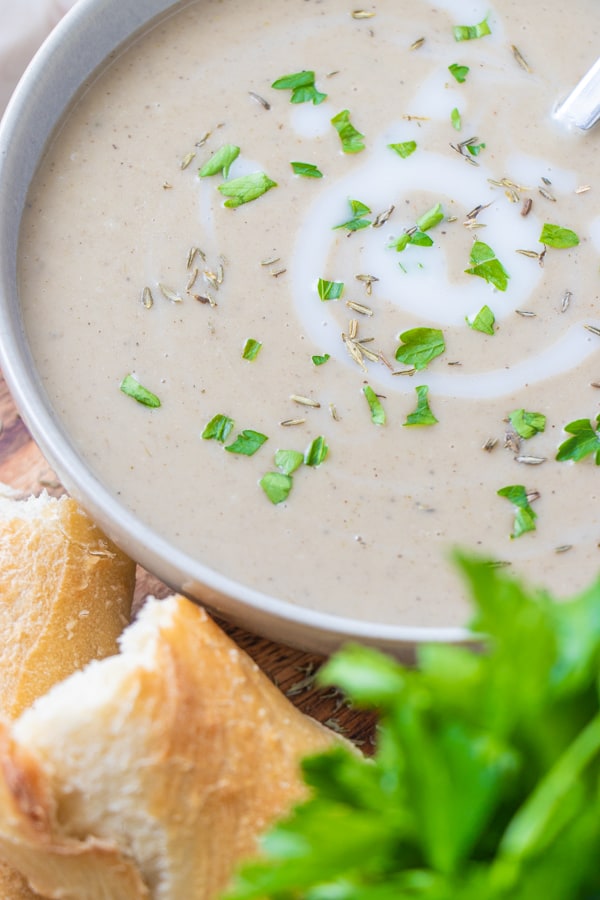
<point>65,595</point>
<point>176,754</point>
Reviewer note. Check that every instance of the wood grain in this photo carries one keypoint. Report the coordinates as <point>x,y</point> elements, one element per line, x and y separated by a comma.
<point>23,468</point>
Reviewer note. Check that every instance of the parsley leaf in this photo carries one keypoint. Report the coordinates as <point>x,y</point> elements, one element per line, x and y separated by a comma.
<point>483,321</point>
<point>320,360</point>
<point>316,452</point>
<point>422,414</point>
<point>487,266</point>
<point>307,170</point>
<point>378,416</point>
<point>330,290</point>
<point>251,349</point>
<point>357,222</point>
<point>585,440</point>
<point>459,72</point>
<point>404,149</point>
<point>417,235</point>
<point>431,218</point>
<point>276,486</point>
<point>456,119</point>
<point>132,388</point>
<point>352,140</point>
<point>289,460</point>
<point>470,32</point>
<point>420,346</point>
<point>302,86</point>
<point>247,443</point>
<point>560,238</point>
<point>246,188</point>
<point>525,516</point>
<point>220,161</point>
<point>527,424</point>
<point>218,428</point>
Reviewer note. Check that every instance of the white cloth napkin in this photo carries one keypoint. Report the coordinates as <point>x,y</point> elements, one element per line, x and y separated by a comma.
<point>23,26</point>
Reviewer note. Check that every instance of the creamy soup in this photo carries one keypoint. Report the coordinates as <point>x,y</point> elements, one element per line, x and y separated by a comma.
<point>415,186</point>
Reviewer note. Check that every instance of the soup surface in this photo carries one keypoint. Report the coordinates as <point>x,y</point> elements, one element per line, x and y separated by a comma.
<point>248,242</point>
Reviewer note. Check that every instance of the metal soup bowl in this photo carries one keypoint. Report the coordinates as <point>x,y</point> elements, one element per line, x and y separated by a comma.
<point>91,31</point>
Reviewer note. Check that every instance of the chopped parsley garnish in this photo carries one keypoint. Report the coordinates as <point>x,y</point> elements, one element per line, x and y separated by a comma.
<point>431,218</point>
<point>417,235</point>
<point>557,237</point>
<point>289,460</point>
<point>455,118</point>
<point>473,148</point>
<point>487,266</point>
<point>307,170</point>
<point>404,149</point>
<point>352,140</point>
<point>316,452</point>
<point>459,72</point>
<point>320,360</point>
<point>132,388</point>
<point>483,321</point>
<point>330,290</point>
<point>276,486</point>
<point>218,429</point>
<point>220,161</point>
<point>358,221</point>
<point>251,349</point>
<point>378,416</point>
<point>420,346</point>
<point>302,86</point>
<point>422,414</point>
<point>527,424</point>
<point>584,441</point>
<point>247,443</point>
<point>470,32</point>
<point>246,188</point>
<point>525,516</point>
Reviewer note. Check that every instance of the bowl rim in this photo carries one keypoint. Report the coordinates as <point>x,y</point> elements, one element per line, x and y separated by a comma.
<point>68,59</point>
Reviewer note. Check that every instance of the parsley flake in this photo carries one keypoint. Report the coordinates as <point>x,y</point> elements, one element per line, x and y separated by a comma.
<point>352,140</point>
<point>357,222</point>
<point>527,424</point>
<point>132,388</point>
<point>220,161</point>
<point>251,349</point>
<point>302,86</point>
<point>276,486</point>
<point>417,235</point>
<point>320,360</point>
<point>316,452</point>
<point>557,237</point>
<point>289,460</point>
<point>455,118</point>
<point>246,188</point>
<point>218,428</point>
<point>584,441</point>
<point>330,290</point>
<point>487,266</point>
<point>525,516</point>
<point>483,321</point>
<point>247,443</point>
<point>404,149</point>
<point>471,32</point>
<point>378,416</point>
<point>422,414</point>
<point>420,346</point>
<point>307,170</point>
<point>459,72</point>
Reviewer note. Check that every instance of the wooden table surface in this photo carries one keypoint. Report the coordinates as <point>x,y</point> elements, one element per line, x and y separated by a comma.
<point>23,468</point>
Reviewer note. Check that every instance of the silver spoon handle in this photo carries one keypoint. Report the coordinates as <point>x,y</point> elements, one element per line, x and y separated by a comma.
<point>581,109</point>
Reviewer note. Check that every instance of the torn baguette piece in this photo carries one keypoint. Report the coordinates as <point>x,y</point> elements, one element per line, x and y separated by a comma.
<point>175,755</point>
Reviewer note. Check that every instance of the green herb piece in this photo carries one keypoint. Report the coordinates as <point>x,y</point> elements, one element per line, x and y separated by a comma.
<point>422,414</point>
<point>352,140</point>
<point>585,440</point>
<point>431,218</point>
<point>527,424</point>
<point>218,428</point>
<point>420,346</point>
<point>316,452</point>
<point>459,72</point>
<point>320,360</point>
<point>357,222</point>
<point>302,86</point>
<point>131,386</point>
<point>220,161</point>
<point>289,460</point>
<point>560,238</point>
<point>470,32</point>
<point>276,486</point>
<point>404,149</point>
<point>475,149</point>
<point>420,239</point>
<point>251,349</point>
<point>247,443</point>
<point>525,516</point>
<point>378,416</point>
<point>456,119</point>
<point>307,170</point>
<point>330,290</point>
<point>487,266</point>
<point>483,321</point>
<point>246,188</point>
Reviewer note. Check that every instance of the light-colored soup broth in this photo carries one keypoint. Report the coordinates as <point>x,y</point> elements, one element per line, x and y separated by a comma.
<point>118,204</point>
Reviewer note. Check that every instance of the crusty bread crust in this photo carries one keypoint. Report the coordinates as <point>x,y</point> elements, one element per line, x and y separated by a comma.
<point>179,752</point>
